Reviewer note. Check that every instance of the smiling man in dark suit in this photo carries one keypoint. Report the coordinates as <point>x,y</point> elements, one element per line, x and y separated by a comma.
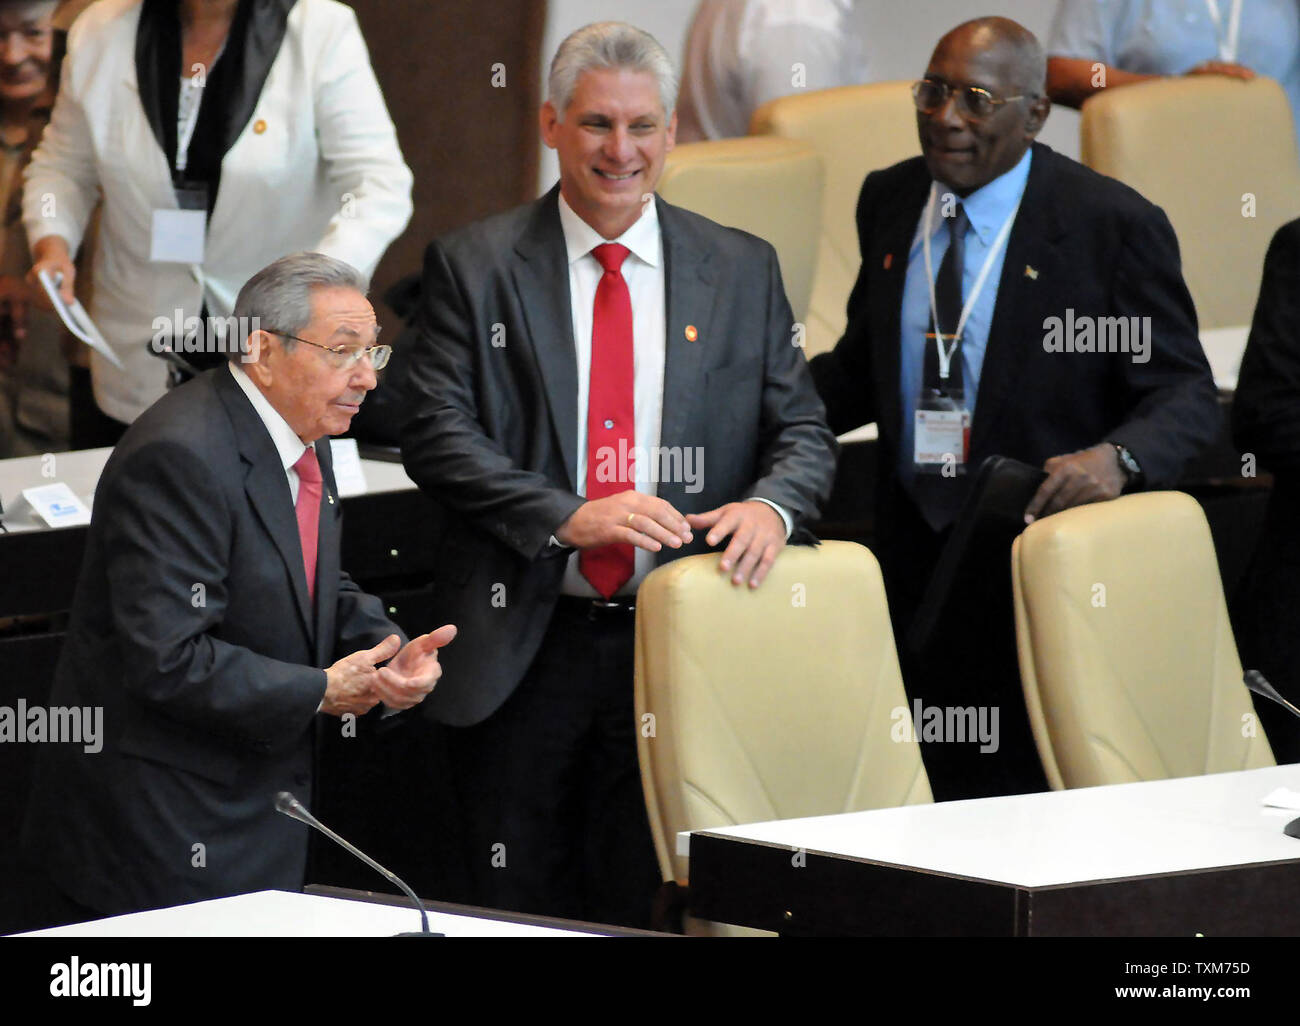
<point>1053,299</point>
<point>603,382</point>
<point>212,622</point>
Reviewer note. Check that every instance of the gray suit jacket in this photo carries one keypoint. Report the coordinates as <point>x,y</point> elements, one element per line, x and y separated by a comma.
<point>492,431</point>
<point>193,631</point>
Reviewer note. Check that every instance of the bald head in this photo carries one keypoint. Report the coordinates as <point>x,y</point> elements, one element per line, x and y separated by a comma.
<point>984,103</point>
<point>1012,47</point>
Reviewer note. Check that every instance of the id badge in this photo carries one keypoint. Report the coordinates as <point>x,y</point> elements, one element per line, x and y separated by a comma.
<point>180,236</point>
<point>942,438</point>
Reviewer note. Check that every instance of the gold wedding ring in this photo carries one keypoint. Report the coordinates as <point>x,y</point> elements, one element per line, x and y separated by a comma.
<point>629,519</point>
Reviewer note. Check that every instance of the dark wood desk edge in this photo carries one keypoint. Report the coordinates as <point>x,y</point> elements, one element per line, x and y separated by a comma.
<point>475,912</point>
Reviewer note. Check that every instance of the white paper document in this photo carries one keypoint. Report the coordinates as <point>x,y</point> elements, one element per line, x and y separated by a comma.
<point>348,474</point>
<point>58,505</point>
<point>76,320</point>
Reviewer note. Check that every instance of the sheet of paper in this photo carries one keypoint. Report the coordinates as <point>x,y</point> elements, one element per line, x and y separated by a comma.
<point>178,236</point>
<point>348,474</point>
<point>58,505</point>
<point>1283,798</point>
<point>76,320</point>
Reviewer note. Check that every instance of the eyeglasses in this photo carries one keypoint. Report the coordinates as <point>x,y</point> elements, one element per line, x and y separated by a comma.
<point>973,103</point>
<point>341,356</point>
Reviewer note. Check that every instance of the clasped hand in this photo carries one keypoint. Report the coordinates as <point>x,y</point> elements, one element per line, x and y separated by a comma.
<point>756,530</point>
<point>355,684</point>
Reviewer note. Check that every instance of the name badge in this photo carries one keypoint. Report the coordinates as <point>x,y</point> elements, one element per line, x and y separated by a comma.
<point>942,441</point>
<point>180,236</point>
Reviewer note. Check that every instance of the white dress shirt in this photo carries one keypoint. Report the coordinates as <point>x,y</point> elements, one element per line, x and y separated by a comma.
<point>643,270</point>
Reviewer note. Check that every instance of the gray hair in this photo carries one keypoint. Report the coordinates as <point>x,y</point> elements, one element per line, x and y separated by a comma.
<point>609,45</point>
<point>279,295</point>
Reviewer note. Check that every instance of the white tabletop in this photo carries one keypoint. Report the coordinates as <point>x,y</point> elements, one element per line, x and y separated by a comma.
<point>80,471</point>
<point>285,914</point>
<point>1060,837</point>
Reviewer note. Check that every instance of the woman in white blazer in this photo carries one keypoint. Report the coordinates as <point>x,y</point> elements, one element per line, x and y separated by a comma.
<point>265,112</point>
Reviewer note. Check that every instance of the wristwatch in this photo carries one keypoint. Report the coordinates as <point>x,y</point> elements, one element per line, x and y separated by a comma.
<point>1129,466</point>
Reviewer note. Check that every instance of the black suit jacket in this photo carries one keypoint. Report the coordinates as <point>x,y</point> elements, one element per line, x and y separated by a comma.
<point>193,630</point>
<point>492,433</point>
<point>1266,424</point>
<point>1081,242</point>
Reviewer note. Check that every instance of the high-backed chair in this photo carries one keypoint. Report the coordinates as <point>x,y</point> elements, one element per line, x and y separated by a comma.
<point>1219,155</point>
<point>1128,661</point>
<point>856,129</point>
<point>772,703</point>
<point>771,188</point>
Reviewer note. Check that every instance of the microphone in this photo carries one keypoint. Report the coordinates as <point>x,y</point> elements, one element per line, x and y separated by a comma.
<point>294,809</point>
<point>1257,683</point>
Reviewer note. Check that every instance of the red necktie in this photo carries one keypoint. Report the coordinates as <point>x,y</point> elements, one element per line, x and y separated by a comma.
<point>611,423</point>
<point>307,509</point>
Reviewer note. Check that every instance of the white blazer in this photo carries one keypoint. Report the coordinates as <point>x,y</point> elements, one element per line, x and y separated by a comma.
<point>317,167</point>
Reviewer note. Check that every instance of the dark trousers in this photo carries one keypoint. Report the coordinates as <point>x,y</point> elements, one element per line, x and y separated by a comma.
<point>970,663</point>
<point>549,787</point>
<point>91,427</point>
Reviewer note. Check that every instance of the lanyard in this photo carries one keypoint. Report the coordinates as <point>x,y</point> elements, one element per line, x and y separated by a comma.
<point>185,133</point>
<point>1228,44</point>
<point>945,358</point>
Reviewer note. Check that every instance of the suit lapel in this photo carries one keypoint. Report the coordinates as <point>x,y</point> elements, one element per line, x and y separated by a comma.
<point>1031,269</point>
<point>266,488</point>
<point>691,304</point>
<point>542,281</point>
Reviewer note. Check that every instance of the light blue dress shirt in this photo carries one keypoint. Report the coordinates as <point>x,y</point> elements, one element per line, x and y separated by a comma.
<point>1168,37</point>
<point>988,209</point>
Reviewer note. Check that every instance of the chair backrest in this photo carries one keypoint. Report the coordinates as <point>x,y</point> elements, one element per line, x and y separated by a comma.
<point>771,188</point>
<point>1127,657</point>
<point>856,129</point>
<point>780,702</point>
<point>1219,155</point>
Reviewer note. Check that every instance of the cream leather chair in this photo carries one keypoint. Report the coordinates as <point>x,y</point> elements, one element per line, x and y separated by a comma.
<point>1200,147</point>
<point>771,188</point>
<point>1128,661</point>
<point>780,702</point>
<point>856,129</point>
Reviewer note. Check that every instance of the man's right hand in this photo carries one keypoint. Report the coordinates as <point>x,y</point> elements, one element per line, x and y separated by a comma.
<point>1226,68</point>
<point>51,254</point>
<point>627,518</point>
<point>350,683</point>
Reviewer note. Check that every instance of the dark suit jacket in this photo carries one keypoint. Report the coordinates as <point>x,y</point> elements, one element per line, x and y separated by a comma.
<point>1081,241</point>
<point>193,631</point>
<point>1266,423</point>
<point>492,435</point>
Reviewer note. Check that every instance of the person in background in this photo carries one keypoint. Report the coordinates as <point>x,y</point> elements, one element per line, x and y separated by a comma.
<point>222,135</point>
<point>33,367</point>
<point>742,53</point>
<point>1139,40</point>
<point>970,253</point>
<point>1266,425</point>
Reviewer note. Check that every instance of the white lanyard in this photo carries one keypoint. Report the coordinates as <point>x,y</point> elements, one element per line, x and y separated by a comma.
<point>945,358</point>
<point>185,133</point>
<point>1228,44</point>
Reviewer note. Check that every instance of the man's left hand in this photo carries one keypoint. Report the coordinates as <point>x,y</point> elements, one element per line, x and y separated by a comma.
<point>757,536</point>
<point>1093,475</point>
<point>411,674</point>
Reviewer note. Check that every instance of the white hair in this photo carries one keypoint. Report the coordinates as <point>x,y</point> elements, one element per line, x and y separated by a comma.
<point>609,45</point>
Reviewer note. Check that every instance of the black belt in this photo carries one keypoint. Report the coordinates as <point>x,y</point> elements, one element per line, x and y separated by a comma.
<point>574,605</point>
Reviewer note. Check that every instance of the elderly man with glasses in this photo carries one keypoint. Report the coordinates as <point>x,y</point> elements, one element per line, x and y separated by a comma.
<point>1010,302</point>
<point>212,624</point>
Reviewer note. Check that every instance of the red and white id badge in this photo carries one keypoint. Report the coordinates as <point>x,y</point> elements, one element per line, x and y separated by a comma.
<point>942,437</point>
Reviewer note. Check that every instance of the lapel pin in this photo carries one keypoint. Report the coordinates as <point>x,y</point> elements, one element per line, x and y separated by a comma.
<point>259,126</point>
<point>691,333</point>
<point>889,261</point>
<point>1031,273</point>
<point>331,498</point>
